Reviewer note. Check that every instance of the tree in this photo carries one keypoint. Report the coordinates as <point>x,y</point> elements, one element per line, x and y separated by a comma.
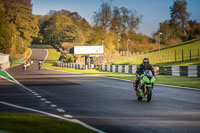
<point>63,26</point>
<point>70,34</point>
<point>179,14</point>
<point>23,24</point>
<point>102,18</point>
<point>94,37</point>
<point>193,29</point>
<point>116,22</point>
<point>5,31</point>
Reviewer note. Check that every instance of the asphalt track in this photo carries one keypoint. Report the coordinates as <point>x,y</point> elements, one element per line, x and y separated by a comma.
<point>109,105</point>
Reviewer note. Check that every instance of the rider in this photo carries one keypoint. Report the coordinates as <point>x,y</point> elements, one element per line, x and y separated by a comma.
<point>39,64</point>
<point>140,70</point>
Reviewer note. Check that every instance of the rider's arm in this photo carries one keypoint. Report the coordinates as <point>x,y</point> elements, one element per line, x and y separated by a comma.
<point>138,71</point>
<point>152,70</point>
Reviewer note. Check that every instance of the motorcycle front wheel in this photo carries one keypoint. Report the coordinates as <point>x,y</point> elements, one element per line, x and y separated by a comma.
<point>149,94</point>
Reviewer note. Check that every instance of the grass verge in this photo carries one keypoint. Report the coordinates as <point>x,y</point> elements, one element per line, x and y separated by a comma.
<point>162,79</point>
<point>27,54</point>
<point>5,75</point>
<point>36,124</point>
<point>185,53</point>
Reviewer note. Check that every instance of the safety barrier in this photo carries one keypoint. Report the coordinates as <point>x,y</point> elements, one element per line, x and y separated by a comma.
<point>190,71</point>
<point>71,65</point>
<point>119,68</point>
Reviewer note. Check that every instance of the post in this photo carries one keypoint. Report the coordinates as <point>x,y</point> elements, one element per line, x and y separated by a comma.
<point>182,55</point>
<point>127,44</point>
<point>175,55</point>
<point>119,41</point>
<point>118,45</point>
<point>160,33</point>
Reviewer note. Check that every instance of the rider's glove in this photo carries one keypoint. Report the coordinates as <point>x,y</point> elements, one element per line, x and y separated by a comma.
<point>138,76</point>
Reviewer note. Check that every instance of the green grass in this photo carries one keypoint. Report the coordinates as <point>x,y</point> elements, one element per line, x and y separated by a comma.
<point>167,55</point>
<point>53,56</point>
<point>36,124</point>
<point>47,46</point>
<point>5,75</point>
<point>28,52</point>
<point>162,79</point>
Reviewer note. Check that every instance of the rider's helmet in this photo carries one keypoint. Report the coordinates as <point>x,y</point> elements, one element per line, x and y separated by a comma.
<point>145,61</point>
<point>40,62</point>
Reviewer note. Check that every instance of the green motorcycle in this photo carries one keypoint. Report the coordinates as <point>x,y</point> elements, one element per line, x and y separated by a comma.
<point>145,86</point>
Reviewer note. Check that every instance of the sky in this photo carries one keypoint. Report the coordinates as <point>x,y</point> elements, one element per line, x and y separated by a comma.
<point>153,11</point>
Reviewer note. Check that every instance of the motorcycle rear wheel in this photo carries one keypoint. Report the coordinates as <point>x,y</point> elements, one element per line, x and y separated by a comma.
<point>139,98</point>
<point>149,94</point>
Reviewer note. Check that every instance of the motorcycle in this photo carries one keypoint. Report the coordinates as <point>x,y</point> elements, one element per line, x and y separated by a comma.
<point>24,66</point>
<point>40,66</point>
<point>145,86</point>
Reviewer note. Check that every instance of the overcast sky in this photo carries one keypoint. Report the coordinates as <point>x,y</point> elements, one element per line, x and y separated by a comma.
<point>153,11</point>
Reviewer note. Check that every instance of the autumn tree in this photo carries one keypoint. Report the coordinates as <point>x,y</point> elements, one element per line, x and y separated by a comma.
<point>179,14</point>
<point>23,24</point>
<point>5,31</point>
<point>102,18</point>
<point>118,21</point>
<point>179,27</point>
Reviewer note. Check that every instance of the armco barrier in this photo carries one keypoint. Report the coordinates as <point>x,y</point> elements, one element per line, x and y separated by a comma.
<point>119,68</point>
<point>71,65</point>
<point>190,71</point>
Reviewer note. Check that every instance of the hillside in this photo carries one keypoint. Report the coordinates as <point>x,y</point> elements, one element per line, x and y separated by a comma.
<point>184,53</point>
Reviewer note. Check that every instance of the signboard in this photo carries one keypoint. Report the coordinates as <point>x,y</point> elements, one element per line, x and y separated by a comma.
<point>88,50</point>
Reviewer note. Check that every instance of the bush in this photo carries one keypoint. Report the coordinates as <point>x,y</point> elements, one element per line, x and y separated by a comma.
<point>68,58</point>
<point>98,68</point>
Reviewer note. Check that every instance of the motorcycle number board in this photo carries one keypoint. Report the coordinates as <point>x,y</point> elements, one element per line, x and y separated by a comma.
<point>88,50</point>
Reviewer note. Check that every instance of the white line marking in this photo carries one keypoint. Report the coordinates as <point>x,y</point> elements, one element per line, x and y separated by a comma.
<point>47,102</point>
<point>60,110</point>
<point>49,114</point>
<point>43,99</point>
<point>67,116</point>
<point>39,96</point>
<point>53,105</point>
<point>26,88</point>
<point>53,115</point>
<point>36,94</point>
<point>179,87</point>
<point>7,79</point>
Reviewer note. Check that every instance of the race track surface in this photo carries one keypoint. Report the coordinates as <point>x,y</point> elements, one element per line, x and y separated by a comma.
<point>109,105</point>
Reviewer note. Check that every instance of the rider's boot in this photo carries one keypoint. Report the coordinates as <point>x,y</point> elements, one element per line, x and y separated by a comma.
<point>134,86</point>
